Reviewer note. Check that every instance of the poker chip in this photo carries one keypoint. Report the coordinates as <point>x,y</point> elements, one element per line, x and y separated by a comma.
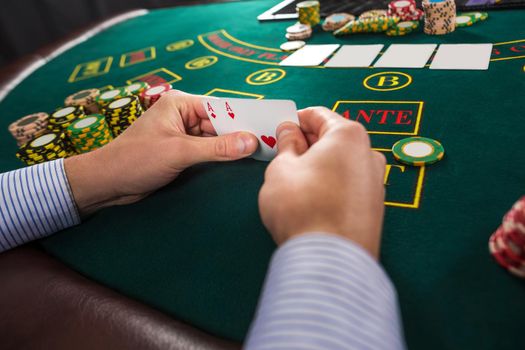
<point>298,32</point>
<point>481,16</point>
<point>440,17</point>
<point>292,45</point>
<point>507,243</point>
<point>406,10</point>
<point>336,21</point>
<point>373,14</point>
<point>29,127</point>
<point>121,113</point>
<point>367,25</point>
<point>111,95</point>
<point>46,147</point>
<point>137,88</point>
<point>402,28</point>
<point>466,20</point>
<point>418,151</point>
<point>152,95</point>
<point>60,119</point>
<point>309,12</point>
<point>85,98</point>
<point>89,133</point>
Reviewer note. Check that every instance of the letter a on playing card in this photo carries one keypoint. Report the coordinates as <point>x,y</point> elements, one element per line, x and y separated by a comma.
<point>211,111</point>
<point>229,110</point>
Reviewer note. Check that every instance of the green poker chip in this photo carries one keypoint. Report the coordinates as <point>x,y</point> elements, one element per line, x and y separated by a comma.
<point>418,151</point>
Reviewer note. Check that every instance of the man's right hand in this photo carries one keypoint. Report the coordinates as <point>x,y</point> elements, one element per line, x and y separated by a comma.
<point>325,178</point>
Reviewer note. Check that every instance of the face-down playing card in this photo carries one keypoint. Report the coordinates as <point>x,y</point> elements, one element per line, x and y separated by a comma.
<point>259,117</point>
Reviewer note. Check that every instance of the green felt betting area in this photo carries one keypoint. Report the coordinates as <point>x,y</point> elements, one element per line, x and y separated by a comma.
<point>197,249</point>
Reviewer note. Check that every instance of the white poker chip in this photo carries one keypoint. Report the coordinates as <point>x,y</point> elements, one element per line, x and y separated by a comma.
<point>292,45</point>
<point>298,28</point>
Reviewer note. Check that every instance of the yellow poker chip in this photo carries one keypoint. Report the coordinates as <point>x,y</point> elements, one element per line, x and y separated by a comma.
<point>418,151</point>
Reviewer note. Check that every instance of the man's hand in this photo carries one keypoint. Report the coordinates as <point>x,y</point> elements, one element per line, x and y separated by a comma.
<point>164,141</point>
<point>325,178</point>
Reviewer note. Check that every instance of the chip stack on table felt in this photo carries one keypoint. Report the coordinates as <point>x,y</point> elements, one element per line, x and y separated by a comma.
<point>336,21</point>
<point>121,113</point>
<point>402,28</point>
<point>89,133</point>
<point>406,10</point>
<point>109,96</point>
<point>298,31</point>
<point>137,89</point>
<point>46,147</point>
<point>507,244</point>
<point>85,98</point>
<point>152,95</point>
<point>440,17</point>
<point>60,119</point>
<point>373,14</point>
<point>367,25</point>
<point>469,18</point>
<point>29,127</point>
<point>309,12</point>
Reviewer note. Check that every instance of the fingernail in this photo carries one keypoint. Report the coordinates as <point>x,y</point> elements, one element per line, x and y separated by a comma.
<point>245,142</point>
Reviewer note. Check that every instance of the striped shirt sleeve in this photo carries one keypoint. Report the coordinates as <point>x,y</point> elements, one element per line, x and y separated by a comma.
<point>35,202</point>
<point>325,292</point>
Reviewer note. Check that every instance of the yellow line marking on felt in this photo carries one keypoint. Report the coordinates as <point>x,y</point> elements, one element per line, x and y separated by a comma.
<point>419,187</point>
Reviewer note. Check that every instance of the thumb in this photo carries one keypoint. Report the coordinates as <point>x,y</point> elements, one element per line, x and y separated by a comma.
<point>291,139</point>
<point>222,148</point>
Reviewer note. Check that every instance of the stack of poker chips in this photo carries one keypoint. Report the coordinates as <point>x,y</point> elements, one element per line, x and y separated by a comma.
<point>298,31</point>
<point>89,133</point>
<point>63,117</point>
<point>402,28</point>
<point>109,96</point>
<point>153,94</point>
<point>440,17</point>
<point>45,147</point>
<point>29,127</point>
<point>85,98</point>
<point>507,244</point>
<point>373,14</point>
<point>137,89</point>
<point>309,12</point>
<point>121,113</point>
<point>406,10</point>
<point>336,21</point>
<point>469,18</point>
<point>368,25</point>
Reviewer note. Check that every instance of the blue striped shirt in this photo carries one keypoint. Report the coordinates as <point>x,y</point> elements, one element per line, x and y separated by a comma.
<point>325,292</point>
<point>35,202</point>
<point>321,291</point>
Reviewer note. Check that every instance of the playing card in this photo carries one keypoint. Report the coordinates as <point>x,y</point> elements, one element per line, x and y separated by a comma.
<point>406,56</point>
<point>354,56</point>
<point>462,56</point>
<point>259,117</point>
<point>310,55</point>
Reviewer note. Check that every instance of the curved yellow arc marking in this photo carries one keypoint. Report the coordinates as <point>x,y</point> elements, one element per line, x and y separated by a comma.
<point>248,44</point>
<point>200,37</point>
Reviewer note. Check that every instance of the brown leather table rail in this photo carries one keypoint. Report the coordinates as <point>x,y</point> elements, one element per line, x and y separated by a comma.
<point>45,305</point>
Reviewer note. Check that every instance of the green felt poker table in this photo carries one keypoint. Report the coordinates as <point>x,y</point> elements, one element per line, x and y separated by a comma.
<point>197,249</point>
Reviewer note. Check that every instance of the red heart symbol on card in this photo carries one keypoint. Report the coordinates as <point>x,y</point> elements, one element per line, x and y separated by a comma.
<point>213,115</point>
<point>269,140</point>
<point>232,115</point>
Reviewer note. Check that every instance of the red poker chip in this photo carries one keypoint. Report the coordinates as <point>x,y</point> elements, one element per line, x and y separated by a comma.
<point>516,236</point>
<point>514,220</point>
<point>500,254</point>
<point>513,252</point>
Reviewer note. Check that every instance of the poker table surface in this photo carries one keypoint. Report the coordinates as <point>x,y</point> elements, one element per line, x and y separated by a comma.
<point>197,249</point>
